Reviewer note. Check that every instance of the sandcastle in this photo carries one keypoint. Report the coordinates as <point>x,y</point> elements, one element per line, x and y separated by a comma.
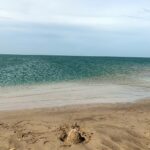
<point>73,135</point>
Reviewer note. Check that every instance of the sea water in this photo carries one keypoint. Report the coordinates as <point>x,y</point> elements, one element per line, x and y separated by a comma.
<point>38,81</point>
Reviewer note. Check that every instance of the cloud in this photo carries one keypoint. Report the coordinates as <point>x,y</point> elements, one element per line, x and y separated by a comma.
<point>95,14</point>
<point>74,27</point>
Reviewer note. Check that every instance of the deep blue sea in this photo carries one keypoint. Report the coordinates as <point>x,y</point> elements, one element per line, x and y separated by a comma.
<point>18,70</point>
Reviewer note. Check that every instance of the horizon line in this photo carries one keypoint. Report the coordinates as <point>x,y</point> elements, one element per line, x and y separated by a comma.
<point>62,55</point>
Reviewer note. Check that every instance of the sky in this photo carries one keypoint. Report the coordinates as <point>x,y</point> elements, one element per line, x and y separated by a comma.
<point>75,27</point>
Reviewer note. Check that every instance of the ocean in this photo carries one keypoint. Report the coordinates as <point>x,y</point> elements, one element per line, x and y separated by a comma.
<point>20,70</point>
<point>43,81</point>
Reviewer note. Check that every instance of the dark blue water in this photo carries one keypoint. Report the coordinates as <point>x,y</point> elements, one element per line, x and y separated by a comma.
<point>18,70</point>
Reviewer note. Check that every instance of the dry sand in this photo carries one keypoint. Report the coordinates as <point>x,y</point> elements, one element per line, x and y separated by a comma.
<point>84,127</point>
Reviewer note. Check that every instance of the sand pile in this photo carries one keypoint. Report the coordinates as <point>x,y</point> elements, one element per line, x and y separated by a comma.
<point>73,135</point>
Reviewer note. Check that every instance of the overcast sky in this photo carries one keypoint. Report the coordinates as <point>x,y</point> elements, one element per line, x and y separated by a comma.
<point>75,27</point>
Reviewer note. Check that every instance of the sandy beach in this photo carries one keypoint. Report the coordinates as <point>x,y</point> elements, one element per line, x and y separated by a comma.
<point>80,127</point>
<point>75,116</point>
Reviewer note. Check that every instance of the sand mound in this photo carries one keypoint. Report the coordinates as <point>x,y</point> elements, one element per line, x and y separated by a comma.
<point>73,135</point>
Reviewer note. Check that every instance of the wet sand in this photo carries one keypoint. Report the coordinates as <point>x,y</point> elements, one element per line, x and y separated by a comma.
<point>101,126</point>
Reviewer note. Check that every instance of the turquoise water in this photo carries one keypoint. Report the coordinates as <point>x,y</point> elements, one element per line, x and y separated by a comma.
<point>50,81</point>
<point>19,70</point>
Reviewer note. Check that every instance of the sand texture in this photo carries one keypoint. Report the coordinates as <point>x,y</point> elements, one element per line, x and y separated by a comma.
<point>85,127</point>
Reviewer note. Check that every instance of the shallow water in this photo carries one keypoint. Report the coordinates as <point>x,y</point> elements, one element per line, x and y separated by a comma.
<point>61,94</point>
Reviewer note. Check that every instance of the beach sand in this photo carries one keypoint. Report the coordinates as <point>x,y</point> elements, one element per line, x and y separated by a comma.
<point>80,127</point>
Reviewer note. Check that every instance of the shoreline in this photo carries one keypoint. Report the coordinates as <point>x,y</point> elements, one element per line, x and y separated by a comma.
<point>67,94</point>
<point>78,106</point>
